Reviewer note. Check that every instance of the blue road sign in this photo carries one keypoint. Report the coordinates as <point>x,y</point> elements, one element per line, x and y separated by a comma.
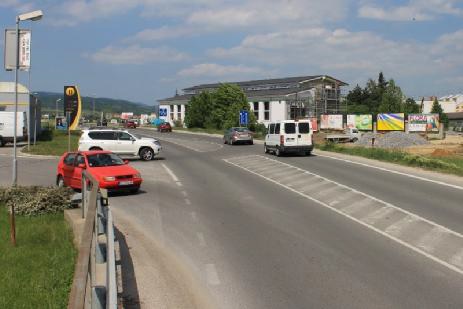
<point>163,112</point>
<point>243,117</point>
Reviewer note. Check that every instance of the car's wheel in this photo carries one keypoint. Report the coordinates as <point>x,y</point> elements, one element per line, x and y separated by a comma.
<point>308,153</point>
<point>134,190</point>
<point>354,139</point>
<point>224,140</point>
<point>146,154</point>
<point>251,142</point>
<point>278,152</point>
<point>60,181</point>
<point>95,148</point>
<point>266,149</point>
<point>1,142</point>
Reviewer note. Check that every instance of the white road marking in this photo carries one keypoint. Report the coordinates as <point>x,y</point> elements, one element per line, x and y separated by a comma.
<point>378,215</point>
<point>429,241</point>
<point>394,172</point>
<point>397,227</point>
<point>187,201</point>
<point>170,172</point>
<point>457,259</point>
<point>211,275</point>
<point>202,241</point>
<point>372,217</point>
<point>194,216</point>
<point>356,206</point>
<point>184,193</point>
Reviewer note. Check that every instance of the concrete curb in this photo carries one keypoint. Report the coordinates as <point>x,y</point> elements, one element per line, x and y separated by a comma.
<point>25,154</point>
<point>75,220</point>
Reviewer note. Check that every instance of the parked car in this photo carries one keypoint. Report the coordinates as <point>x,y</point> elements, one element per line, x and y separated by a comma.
<point>130,124</point>
<point>289,136</point>
<point>120,142</point>
<point>238,135</point>
<point>165,127</point>
<point>108,168</point>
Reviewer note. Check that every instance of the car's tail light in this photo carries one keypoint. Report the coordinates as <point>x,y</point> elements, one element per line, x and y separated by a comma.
<point>282,139</point>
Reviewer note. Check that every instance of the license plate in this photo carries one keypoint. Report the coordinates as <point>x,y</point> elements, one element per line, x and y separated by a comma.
<point>126,183</point>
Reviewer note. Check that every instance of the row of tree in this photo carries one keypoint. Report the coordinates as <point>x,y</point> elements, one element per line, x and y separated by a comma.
<point>219,109</point>
<point>383,96</point>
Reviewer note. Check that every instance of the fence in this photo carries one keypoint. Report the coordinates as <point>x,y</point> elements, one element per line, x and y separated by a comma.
<point>94,284</point>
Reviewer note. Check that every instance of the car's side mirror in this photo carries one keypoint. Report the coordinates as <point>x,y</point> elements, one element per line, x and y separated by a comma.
<point>126,161</point>
<point>81,165</point>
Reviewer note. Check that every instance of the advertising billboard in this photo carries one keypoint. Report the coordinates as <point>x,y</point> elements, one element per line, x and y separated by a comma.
<point>331,122</point>
<point>313,122</point>
<point>72,105</point>
<point>391,122</point>
<point>126,115</point>
<point>361,122</point>
<point>423,122</point>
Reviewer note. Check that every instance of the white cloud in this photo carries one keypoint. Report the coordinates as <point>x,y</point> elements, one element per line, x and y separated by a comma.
<point>415,10</point>
<point>161,34</point>
<point>217,70</point>
<point>136,54</point>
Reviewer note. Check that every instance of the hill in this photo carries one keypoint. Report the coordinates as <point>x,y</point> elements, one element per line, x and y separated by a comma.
<point>105,105</point>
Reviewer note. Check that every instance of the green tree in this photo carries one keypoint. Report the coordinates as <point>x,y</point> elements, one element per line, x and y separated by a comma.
<point>437,109</point>
<point>373,96</point>
<point>392,99</point>
<point>382,83</point>
<point>199,108</point>
<point>410,107</point>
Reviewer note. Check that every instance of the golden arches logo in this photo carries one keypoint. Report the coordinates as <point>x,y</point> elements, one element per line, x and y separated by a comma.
<point>70,91</point>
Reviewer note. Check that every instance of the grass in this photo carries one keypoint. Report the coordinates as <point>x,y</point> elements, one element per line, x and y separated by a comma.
<point>449,164</point>
<point>55,143</point>
<point>38,272</point>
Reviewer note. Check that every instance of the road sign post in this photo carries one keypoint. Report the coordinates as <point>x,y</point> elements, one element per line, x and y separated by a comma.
<point>244,117</point>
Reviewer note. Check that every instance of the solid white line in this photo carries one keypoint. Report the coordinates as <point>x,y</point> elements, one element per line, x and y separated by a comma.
<point>403,243</point>
<point>394,172</point>
<point>211,274</point>
<point>170,172</point>
<point>187,201</point>
<point>185,194</point>
<point>457,259</point>
<point>194,216</point>
<point>428,241</point>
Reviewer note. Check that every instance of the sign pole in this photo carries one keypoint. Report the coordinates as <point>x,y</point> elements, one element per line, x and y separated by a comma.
<point>68,119</point>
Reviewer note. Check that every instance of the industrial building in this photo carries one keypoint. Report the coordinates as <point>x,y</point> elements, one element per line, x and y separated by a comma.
<point>26,103</point>
<point>272,99</point>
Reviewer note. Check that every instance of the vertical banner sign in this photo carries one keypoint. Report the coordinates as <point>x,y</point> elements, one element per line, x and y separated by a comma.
<point>24,49</point>
<point>73,105</point>
<point>243,117</point>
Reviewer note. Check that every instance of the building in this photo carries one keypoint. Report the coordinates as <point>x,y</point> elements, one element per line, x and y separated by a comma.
<point>270,99</point>
<point>26,103</point>
<point>449,104</point>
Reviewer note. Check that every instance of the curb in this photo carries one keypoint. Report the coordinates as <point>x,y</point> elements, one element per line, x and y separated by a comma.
<point>25,154</point>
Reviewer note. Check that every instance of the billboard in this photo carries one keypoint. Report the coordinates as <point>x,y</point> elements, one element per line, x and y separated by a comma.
<point>24,49</point>
<point>391,122</point>
<point>126,115</point>
<point>72,105</point>
<point>313,122</point>
<point>61,123</point>
<point>423,122</point>
<point>331,122</point>
<point>361,122</point>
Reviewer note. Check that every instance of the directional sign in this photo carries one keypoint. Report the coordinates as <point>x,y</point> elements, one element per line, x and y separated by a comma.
<point>163,112</point>
<point>243,117</point>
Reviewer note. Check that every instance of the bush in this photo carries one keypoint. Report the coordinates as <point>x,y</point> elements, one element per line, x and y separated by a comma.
<point>32,201</point>
<point>178,124</point>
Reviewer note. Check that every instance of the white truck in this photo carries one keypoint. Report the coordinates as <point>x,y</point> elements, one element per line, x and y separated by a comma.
<point>7,127</point>
<point>349,135</point>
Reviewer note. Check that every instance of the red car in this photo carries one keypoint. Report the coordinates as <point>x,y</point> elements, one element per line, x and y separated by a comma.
<point>165,127</point>
<point>130,124</point>
<point>109,169</point>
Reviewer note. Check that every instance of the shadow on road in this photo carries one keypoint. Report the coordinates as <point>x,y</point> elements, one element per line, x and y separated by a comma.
<point>129,297</point>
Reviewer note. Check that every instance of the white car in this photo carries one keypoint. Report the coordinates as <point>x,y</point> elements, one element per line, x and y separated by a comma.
<point>121,142</point>
<point>289,136</point>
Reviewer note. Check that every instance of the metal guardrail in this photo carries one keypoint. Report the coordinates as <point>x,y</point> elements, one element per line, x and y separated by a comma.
<point>94,284</point>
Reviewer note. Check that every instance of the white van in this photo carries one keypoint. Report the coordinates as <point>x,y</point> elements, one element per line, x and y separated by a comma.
<point>7,127</point>
<point>289,136</point>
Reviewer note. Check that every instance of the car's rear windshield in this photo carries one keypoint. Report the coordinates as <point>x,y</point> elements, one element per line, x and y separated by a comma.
<point>290,128</point>
<point>241,129</point>
<point>104,159</point>
<point>304,127</point>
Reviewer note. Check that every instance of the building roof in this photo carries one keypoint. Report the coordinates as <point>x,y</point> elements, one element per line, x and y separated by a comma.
<point>285,80</point>
<point>8,87</point>
<point>455,116</point>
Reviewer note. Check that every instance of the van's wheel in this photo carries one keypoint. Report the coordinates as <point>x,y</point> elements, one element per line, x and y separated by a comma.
<point>278,152</point>
<point>95,148</point>
<point>266,149</point>
<point>60,181</point>
<point>308,153</point>
<point>354,139</point>
<point>146,154</point>
<point>1,142</point>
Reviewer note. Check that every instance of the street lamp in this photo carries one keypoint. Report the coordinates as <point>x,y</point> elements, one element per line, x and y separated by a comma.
<point>56,111</point>
<point>32,16</point>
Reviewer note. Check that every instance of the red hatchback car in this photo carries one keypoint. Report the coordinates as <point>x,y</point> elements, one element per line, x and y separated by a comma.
<point>109,169</point>
<point>165,127</point>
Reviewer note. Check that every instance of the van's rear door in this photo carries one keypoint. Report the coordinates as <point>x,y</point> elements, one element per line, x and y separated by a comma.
<point>290,134</point>
<point>304,132</point>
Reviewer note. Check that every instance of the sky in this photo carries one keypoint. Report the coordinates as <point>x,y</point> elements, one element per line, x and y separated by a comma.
<point>143,50</point>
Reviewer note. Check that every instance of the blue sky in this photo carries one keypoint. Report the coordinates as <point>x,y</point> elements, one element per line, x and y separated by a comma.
<point>142,50</point>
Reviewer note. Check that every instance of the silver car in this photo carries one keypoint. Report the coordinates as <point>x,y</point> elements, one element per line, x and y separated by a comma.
<point>238,135</point>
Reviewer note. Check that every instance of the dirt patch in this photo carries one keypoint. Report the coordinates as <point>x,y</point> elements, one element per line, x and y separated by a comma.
<point>443,152</point>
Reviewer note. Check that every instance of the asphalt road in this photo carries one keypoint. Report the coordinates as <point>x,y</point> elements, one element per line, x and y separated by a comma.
<point>230,227</point>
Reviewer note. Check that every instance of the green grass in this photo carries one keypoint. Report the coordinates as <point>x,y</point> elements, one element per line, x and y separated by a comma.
<point>38,272</point>
<point>55,143</point>
<point>451,164</point>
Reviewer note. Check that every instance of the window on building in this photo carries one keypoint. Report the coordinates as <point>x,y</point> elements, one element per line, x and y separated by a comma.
<point>171,112</point>
<point>271,128</point>
<point>179,112</point>
<point>266,110</point>
<point>256,109</point>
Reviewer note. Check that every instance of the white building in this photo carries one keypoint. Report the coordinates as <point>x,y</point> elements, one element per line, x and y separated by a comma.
<point>450,103</point>
<point>271,99</point>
